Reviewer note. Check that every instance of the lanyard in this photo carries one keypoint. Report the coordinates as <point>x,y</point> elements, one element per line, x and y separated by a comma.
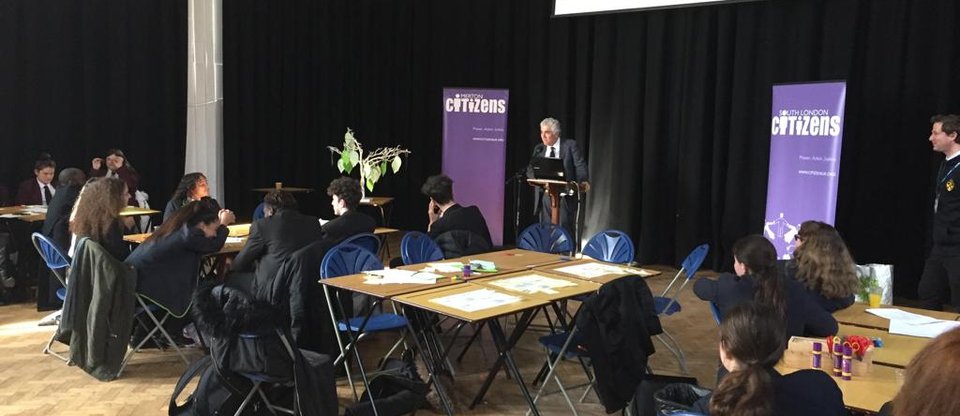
<point>947,175</point>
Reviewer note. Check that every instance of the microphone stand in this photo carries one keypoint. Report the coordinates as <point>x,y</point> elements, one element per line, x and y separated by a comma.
<point>516,179</point>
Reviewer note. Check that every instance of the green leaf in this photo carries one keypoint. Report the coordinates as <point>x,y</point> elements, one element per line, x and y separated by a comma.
<point>383,168</point>
<point>369,185</point>
<point>340,165</point>
<point>348,136</point>
<point>374,174</point>
<point>354,157</point>
<point>396,164</point>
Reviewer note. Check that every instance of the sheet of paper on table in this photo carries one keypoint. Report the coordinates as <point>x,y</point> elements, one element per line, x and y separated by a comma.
<point>445,267</point>
<point>397,276</point>
<point>593,270</point>
<point>533,283</point>
<point>476,300</point>
<point>234,240</point>
<point>894,314</point>
<point>922,329</point>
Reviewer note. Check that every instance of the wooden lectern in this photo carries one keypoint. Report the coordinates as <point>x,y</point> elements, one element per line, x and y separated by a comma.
<point>553,188</point>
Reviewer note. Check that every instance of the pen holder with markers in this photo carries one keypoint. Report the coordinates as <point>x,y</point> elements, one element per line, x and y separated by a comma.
<point>802,352</point>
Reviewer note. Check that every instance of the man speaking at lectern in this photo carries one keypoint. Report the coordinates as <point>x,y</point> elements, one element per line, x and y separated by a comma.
<point>574,169</point>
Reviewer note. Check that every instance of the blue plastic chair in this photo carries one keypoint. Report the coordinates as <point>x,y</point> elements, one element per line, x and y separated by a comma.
<point>546,238</point>
<point>612,246</point>
<point>368,241</point>
<point>716,312</point>
<point>58,264</point>
<point>258,211</point>
<point>417,247</point>
<point>668,304</point>
<point>347,259</point>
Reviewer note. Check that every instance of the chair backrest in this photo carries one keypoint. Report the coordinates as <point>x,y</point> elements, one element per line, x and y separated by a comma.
<point>689,267</point>
<point>716,312</point>
<point>368,241</point>
<point>545,238</point>
<point>51,255</point>
<point>417,247</point>
<point>258,211</point>
<point>612,246</point>
<point>346,259</point>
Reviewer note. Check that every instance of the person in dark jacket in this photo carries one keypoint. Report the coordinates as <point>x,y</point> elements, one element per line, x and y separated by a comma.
<point>345,195</point>
<point>272,240</point>
<point>57,223</point>
<point>824,266</point>
<point>96,215</point>
<point>756,279</point>
<point>446,215</point>
<point>192,187</point>
<point>751,344</point>
<point>116,165</point>
<point>168,262</point>
<point>40,189</point>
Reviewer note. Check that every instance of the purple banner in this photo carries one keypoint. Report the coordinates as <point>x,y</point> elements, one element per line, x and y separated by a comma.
<point>475,150</point>
<point>806,132</point>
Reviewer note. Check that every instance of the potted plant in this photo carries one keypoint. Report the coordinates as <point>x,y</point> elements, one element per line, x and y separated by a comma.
<point>373,165</point>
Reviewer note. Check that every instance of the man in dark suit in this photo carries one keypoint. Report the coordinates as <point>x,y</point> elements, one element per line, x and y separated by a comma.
<point>57,224</point>
<point>447,217</point>
<point>38,190</point>
<point>574,169</point>
<point>272,240</point>
<point>344,197</point>
<point>940,280</point>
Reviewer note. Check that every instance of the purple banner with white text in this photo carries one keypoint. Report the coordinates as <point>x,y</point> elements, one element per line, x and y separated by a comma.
<point>475,150</point>
<point>806,133</point>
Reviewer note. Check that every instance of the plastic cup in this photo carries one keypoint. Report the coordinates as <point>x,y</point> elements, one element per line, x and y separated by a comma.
<point>278,185</point>
<point>874,295</point>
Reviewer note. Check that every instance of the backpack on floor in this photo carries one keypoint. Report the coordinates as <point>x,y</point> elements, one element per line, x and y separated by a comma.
<point>212,396</point>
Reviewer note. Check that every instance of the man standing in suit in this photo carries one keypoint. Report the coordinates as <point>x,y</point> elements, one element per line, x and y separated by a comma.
<point>344,197</point>
<point>281,232</point>
<point>574,169</point>
<point>38,190</point>
<point>941,272</point>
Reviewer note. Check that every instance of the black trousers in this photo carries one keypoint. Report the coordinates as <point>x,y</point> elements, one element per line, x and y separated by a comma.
<point>568,213</point>
<point>940,281</point>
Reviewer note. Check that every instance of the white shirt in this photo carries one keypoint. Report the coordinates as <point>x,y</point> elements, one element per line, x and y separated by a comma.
<point>43,197</point>
<point>556,150</point>
<point>953,155</point>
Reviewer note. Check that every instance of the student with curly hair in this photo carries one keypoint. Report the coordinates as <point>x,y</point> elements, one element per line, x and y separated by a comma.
<point>825,268</point>
<point>345,195</point>
<point>751,344</point>
<point>96,215</point>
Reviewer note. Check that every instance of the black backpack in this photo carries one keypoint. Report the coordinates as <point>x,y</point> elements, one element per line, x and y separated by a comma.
<point>212,396</point>
<point>398,390</point>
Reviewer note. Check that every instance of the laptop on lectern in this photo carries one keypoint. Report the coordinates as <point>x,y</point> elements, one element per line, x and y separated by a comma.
<point>547,168</point>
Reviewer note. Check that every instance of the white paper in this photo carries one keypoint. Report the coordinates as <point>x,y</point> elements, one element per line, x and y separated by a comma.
<point>323,221</point>
<point>234,240</point>
<point>594,270</point>
<point>448,267</point>
<point>11,216</point>
<point>922,329</point>
<point>894,314</point>
<point>533,283</point>
<point>476,300</point>
<point>398,276</point>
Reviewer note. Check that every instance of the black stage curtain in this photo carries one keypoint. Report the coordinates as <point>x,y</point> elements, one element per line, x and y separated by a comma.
<point>80,77</point>
<point>672,106</point>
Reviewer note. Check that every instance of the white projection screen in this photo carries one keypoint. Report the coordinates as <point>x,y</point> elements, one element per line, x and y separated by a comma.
<point>576,7</point>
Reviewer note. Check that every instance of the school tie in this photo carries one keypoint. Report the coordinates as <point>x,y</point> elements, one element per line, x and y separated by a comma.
<point>550,153</point>
<point>47,196</point>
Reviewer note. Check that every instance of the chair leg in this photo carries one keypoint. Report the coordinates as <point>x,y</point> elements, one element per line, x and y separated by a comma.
<point>48,349</point>
<point>675,349</point>
<point>476,333</point>
<point>246,400</point>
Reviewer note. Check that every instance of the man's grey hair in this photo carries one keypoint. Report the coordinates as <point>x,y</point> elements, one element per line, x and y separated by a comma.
<point>72,176</point>
<point>552,123</point>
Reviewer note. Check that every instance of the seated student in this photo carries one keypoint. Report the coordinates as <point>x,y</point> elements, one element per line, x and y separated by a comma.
<point>39,190</point>
<point>930,385</point>
<point>116,165</point>
<point>447,217</point>
<point>167,263</point>
<point>751,344</point>
<point>192,187</point>
<point>825,268</point>
<point>56,226</point>
<point>344,195</point>
<point>272,240</point>
<point>756,279</point>
<point>96,215</point>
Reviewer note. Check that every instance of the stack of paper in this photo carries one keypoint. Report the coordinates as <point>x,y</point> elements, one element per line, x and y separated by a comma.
<point>397,276</point>
<point>476,300</point>
<point>533,283</point>
<point>912,324</point>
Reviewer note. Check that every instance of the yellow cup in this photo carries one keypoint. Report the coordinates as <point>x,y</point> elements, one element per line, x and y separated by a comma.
<point>874,297</point>
<point>278,185</point>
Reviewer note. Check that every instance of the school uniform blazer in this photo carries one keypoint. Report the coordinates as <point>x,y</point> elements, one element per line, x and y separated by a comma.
<point>804,316</point>
<point>349,224</point>
<point>273,239</point>
<point>801,393</point>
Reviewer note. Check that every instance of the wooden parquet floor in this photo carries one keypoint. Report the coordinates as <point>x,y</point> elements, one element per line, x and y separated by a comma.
<point>35,384</point>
